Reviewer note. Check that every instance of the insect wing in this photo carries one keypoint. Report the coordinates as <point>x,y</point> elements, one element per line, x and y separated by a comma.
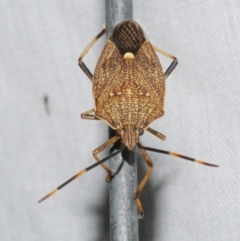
<point>129,90</point>
<point>149,65</point>
<point>107,67</point>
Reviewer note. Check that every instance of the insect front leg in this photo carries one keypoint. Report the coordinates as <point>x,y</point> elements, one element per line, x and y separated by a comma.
<point>172,65</point>
<point>80,62</point>
<point>100,149</point>
<point>86,115</point>
<point>143,182</point>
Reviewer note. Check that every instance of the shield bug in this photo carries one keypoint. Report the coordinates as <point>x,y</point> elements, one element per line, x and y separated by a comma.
<point>128,90</point>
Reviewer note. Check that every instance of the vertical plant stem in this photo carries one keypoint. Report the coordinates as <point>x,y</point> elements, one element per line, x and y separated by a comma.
<point>123,211</point>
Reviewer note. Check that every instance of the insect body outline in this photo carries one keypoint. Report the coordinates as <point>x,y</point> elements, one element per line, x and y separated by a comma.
<point>129,90</point>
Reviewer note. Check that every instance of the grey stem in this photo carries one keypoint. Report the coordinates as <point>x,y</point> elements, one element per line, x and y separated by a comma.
<point>123,211</point>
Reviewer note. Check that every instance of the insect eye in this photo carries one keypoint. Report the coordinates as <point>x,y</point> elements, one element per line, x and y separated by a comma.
<point>118,132</point>
<point>140,131</point>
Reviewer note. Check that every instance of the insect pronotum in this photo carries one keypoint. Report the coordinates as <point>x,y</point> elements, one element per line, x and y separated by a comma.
<point>128,89</point>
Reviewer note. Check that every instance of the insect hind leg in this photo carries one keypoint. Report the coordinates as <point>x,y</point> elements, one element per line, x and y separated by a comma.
<point>80,62</point>
<point>172,65</point>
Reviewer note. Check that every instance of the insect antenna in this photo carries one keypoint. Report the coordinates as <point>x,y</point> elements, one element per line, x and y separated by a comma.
<point>82,172</point>
<point>176,155</point>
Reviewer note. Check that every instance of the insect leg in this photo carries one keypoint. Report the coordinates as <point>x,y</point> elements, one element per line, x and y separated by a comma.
<point>80,62</point>
<point>172,65</point>
<point>144,180</point>
<point>86,115</point>
<point>101,148</point>
<point>156,133</point>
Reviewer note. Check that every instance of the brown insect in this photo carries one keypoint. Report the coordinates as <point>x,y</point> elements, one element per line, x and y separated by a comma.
<point>128,89</point>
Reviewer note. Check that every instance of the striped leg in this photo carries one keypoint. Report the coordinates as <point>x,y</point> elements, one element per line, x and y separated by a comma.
<point>80,62</point>
<point>172,65</point>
